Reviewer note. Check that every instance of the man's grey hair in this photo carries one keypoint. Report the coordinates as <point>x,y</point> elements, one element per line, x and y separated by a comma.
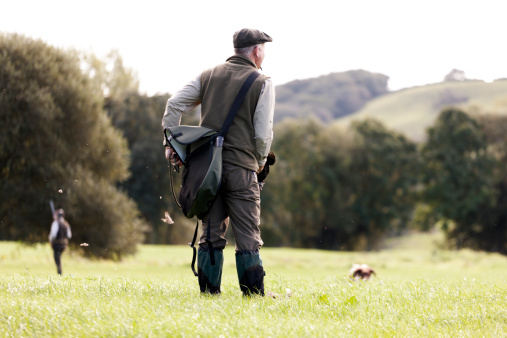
<point>245,50</point>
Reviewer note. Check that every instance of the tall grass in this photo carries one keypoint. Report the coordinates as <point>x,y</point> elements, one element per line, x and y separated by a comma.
<point>154,294</point>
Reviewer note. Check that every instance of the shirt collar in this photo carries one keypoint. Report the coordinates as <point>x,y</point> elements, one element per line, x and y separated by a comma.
<point>241,59</point>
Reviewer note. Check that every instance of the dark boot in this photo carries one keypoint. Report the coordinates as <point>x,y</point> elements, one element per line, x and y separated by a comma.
<point>250,272</point>
<point>210,276</point>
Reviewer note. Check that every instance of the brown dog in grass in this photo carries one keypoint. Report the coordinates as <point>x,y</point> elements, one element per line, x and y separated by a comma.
<point>361,271</point>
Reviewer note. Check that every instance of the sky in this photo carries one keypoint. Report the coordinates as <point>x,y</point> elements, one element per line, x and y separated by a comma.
<point>168,43</point>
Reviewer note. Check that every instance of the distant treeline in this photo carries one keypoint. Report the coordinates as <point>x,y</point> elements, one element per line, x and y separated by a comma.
<point>75,129</point>
<point>348,189</point>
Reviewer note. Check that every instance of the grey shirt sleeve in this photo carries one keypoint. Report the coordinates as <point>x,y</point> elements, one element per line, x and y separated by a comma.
<point>263,121</point>
<point>54,231</point>
<point>183,101</point>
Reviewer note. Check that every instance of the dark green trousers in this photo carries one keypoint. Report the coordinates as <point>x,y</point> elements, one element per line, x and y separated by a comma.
<point>239,201</point>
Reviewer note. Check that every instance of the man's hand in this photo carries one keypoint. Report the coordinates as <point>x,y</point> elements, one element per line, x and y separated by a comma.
<point>263,171</point>
<point>171,156</point>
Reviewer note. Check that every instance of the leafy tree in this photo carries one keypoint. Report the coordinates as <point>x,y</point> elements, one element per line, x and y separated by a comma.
<point>383,174</point>
<point>292,197</point>
<point>139,117</point>
<point>58,143</point>
<point>110,74</point>
<point>334,189</point>
<point>458,175</point>
<point>491,233</point>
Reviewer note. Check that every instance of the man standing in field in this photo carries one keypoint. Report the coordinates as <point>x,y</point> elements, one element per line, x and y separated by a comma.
<point>59,236</point>
<point>245,149</point>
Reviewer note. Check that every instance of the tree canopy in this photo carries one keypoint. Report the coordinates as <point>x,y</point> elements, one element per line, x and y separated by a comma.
<point>458,173</point>
<point>58,143</point>
<point>138,117</point>
<point>336,189</point>
<point>76,130</point>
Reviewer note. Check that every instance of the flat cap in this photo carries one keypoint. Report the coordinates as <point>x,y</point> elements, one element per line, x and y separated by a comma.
<point>249,37</point>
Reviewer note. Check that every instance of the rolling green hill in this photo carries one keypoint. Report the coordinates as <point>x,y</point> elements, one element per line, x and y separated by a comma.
<point>412,110</point>
<point>330,96</point>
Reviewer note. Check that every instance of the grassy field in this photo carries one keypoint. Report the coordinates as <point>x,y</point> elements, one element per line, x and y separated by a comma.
<point>419,290</point>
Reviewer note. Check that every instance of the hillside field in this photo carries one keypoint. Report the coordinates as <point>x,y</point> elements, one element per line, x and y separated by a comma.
<point>412,110</point>
<point>419,290</point>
